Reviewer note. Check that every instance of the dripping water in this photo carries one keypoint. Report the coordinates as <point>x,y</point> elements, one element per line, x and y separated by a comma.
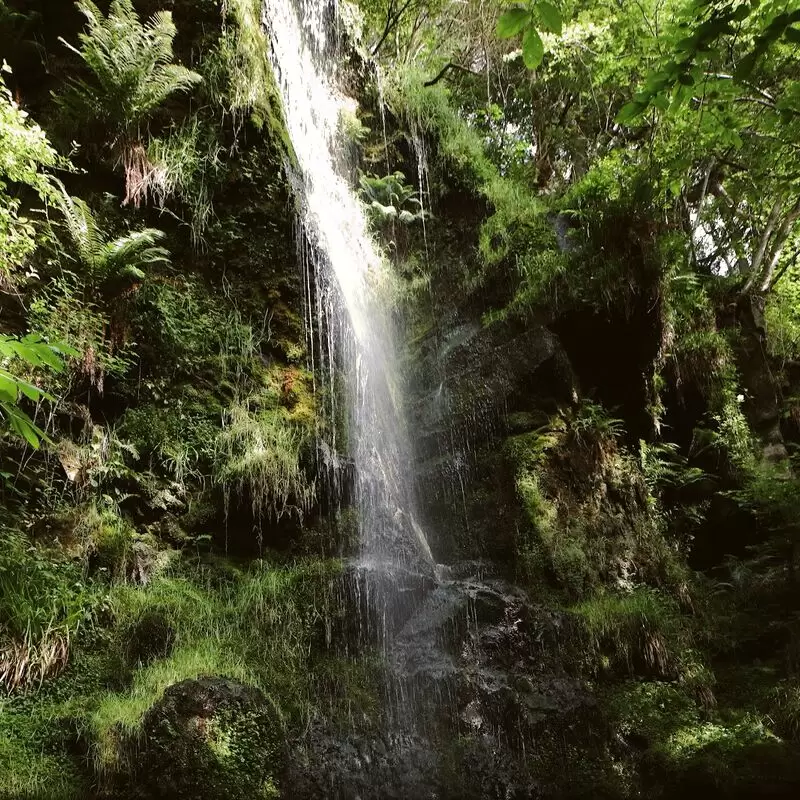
<point>346,275</point>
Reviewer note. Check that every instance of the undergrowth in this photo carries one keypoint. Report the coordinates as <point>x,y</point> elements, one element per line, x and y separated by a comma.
<point>258,625</point>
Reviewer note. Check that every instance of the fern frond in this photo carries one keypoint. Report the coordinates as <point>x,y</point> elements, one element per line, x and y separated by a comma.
<point>103,260</point>
<point>83,232</point>
<point>126,256</point>
<point>131,66</point>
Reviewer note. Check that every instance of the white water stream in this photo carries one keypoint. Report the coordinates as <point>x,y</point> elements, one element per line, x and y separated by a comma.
<point>351,329</point>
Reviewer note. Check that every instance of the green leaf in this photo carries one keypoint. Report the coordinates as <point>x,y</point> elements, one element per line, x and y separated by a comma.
<point>629,112</point>
<point>681,95</point>
<point>512,22</point>
<point>8,389</point>
<point>745,66</point>
<point>21,424</point>
<point>532,48</point>
<point>661,101</point>
<point>29,390</point>
<point>46,353</point>
<point>550,17</point>
<point>25,352</point>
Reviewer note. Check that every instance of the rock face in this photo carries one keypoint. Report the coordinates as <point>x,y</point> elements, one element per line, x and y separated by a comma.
<point>477,700</point>
<point>207,739</point>
<point>468,380</point>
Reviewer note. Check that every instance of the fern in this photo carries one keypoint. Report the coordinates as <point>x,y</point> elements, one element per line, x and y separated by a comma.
<point>390,197</point>
<point>104,261</point>
<point>132,75</point>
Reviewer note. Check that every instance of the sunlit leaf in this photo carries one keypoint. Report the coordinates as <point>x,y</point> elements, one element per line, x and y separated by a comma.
<point>8,389</point>
<point>532,48</point>
<point>512,22</point>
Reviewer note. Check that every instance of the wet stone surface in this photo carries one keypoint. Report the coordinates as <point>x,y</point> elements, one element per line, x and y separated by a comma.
<point>475,677</point>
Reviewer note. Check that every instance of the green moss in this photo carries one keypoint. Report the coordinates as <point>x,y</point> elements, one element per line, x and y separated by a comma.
<point>641,631</point>
<point>28,772</point>
<point>239,74</point>
<point>587,513</point>
<point>116,719</point>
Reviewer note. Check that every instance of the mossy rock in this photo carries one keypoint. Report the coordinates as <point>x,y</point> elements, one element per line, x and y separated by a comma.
<point>208,739</point>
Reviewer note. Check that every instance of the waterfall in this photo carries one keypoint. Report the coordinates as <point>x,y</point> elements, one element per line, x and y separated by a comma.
<point>353,332</point>
<point>458,648</point>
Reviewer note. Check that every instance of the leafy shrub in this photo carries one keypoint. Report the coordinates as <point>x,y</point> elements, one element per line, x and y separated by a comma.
<point>32,352</point>
<point>58,312</point>
<point>517,221</point>
<point>785,710</point>
<point>25,155</point>
<point>782,317</point>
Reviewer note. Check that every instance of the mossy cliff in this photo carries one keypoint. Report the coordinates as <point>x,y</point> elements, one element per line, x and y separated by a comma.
<point>586,421</point>
<point>603,448</point>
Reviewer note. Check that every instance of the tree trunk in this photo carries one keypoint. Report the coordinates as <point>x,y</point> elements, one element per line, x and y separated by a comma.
<point>762,407</point>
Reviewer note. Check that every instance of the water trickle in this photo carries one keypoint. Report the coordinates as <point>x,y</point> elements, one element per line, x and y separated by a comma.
<point>382,108</point>
<point>420,147</point>
<point>352,329</point>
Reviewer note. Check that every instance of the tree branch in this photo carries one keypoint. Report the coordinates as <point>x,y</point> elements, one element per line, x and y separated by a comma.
<point>782,271</point>
<point>443,71</point>
<point>777,247</point>
<point>391,20</point>
<point>758,256</point>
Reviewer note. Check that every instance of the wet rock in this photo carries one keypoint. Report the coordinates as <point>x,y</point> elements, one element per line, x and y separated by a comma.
<point>374,600</point>
<point>324,766</point>
<point>476,679</point>
<point>207,739</point>
<point>405,766</point>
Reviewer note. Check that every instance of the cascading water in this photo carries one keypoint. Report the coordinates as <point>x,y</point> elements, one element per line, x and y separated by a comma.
<point>456,643</point>
<point>345,274</point>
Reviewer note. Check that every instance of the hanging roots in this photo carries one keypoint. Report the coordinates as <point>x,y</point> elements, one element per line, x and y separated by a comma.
<point>142,176</point>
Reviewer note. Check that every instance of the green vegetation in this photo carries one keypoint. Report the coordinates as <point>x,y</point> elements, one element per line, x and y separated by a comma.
<point>25,153</point>
<point>588,519</point>
<point>592,212</point>
<point>132,76</point>
<point>149,376</point>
